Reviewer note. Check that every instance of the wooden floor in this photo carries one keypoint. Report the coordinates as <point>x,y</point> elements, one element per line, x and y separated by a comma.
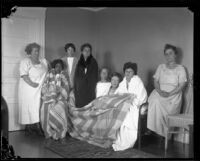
<point>33,147</point>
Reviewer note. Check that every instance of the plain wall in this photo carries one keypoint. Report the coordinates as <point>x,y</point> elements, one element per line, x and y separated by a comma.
<point>64,25</point>
<point>139,35</point>
<point>119,35</point>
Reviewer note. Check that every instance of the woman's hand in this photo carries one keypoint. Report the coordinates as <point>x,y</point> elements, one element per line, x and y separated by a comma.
<point>164,94</point>
<point>35,85</point>
<point>29,81</point>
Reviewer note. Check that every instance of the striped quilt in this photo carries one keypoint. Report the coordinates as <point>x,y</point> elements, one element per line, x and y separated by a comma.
<point>98,122</point>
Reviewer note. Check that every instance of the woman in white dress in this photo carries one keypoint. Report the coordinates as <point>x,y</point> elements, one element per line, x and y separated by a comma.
<point>70,62</point>
<point>32,73</point>
<point>104,84</point>
<point>166,98</point>
<point>127,135</point>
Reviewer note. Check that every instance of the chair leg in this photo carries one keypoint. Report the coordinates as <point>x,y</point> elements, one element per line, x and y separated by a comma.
<point>166,140</point>
<point>139,133</point>
<point>139,141</point>
<point>184,135</point>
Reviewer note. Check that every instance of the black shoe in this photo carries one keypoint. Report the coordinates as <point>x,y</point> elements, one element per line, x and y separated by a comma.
<point>148,132</point>
<point>28,130</point>
<point>37,129</point>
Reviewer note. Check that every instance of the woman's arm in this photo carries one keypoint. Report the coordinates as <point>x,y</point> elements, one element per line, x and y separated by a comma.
<point>178,89</point>
<point>29,81</point>
<point>157,88</point>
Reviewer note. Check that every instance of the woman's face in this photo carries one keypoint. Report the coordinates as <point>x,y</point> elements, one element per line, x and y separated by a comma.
<point>70,51</point>
<point>114,81</point>
<point>35,53</point>
<point>129,73</point>
<point>170,55</point>
<point>86,52</point>
<point>104,74</point>
<point>58,68</point>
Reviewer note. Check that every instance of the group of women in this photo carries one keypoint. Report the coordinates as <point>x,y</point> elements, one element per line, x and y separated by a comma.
<point>51,93</point>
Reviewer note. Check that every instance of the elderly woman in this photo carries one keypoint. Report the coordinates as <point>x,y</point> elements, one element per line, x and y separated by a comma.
<point>70,62</point>
<point>86,77</point>
<point>166,98</point>
<point>55,92</point>
<point>32,73</point>
<point>127,135</point>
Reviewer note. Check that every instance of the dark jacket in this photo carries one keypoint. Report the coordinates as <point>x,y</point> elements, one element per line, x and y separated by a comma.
<point>85,83</point>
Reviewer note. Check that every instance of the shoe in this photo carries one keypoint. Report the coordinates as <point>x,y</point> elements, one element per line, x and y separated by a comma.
<point>28,130</point>
<point>37,129</point>
<point>148,132</point>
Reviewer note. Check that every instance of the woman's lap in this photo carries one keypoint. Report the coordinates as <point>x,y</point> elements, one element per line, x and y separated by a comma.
<point>54,119</point>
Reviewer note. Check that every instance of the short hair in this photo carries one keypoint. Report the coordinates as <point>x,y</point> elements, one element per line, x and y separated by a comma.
<point>30,46</point>
<point>57,61</point>
<point>86,45</point>
<point>130,65</point>
<point>169,46</point>
<point>116,74</point>
<point>68,45</point>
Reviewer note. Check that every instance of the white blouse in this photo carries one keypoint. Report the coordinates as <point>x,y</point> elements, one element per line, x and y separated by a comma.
<point>102,88</point>
<point>70,63</point>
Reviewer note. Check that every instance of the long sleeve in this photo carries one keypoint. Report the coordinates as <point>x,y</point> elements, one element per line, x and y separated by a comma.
<point>140,92</point>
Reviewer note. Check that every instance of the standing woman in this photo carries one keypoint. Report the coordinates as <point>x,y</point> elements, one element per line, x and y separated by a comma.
<point>32,73</point>
<point>70,62</point>
<point>86,77</point>
<point>166,98</point>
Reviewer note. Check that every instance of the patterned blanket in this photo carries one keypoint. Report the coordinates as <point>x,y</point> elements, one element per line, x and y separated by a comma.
<point>98,122</point>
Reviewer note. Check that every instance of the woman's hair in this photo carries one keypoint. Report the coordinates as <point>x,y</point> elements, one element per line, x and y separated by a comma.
<point>130,65</point>
<point>57,61</point>
<point>86,45</point>
<point>68,45</point>
<point>30,46</point>
<point>108,78</point>
<point>169,46</point>
<point>116,74</point>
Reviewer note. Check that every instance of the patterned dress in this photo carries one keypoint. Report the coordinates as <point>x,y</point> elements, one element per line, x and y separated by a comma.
<point>55,93</point>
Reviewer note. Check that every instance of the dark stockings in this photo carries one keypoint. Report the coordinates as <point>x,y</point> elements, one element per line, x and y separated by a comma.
<point>33,129</point>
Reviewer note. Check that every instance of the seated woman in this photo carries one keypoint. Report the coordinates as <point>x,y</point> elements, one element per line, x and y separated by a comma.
<point>166,98</point>
<point>127,135</point>
<point>55,92</point>
<point>105,121</point>
<point>103,85</point>
<point>115,80</point>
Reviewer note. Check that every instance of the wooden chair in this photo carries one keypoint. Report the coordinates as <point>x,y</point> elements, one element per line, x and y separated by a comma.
<point>142,123</point>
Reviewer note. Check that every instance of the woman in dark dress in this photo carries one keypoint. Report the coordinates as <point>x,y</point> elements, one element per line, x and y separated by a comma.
<point>86,77</point>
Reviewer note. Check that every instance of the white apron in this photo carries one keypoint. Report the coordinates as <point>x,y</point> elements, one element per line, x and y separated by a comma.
<point>29,97</point>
